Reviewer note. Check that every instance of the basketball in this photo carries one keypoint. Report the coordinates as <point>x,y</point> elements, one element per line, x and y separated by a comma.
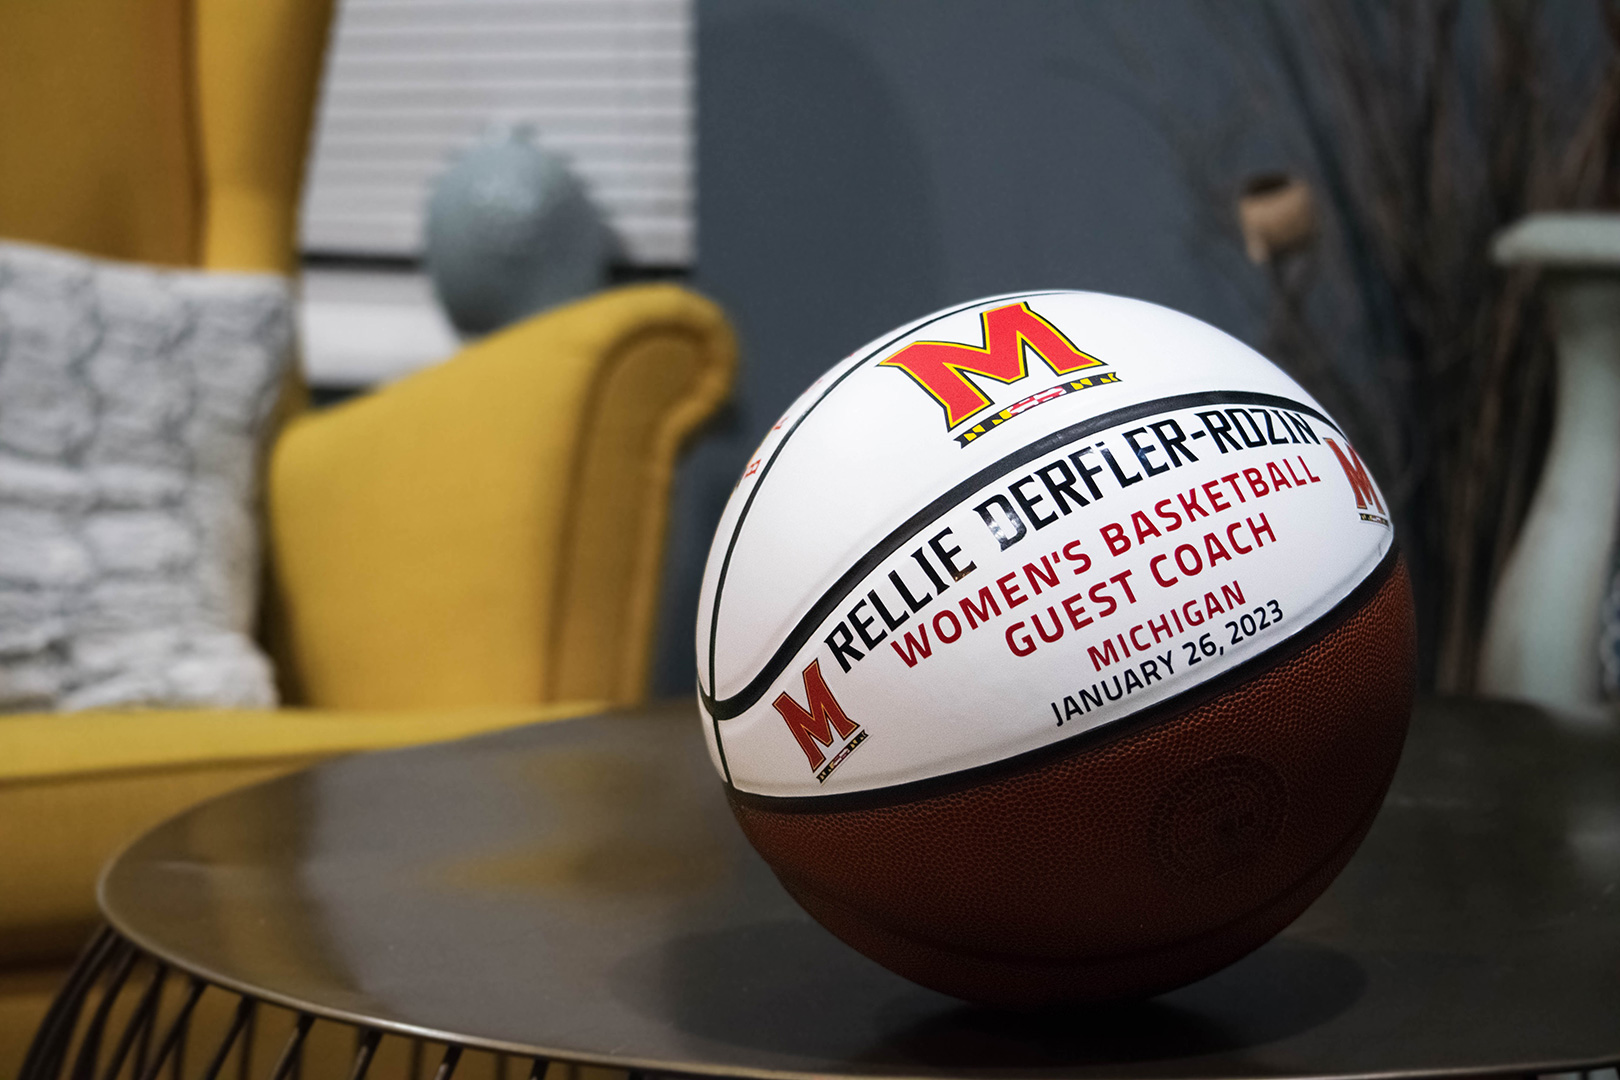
<point>1055,647</point>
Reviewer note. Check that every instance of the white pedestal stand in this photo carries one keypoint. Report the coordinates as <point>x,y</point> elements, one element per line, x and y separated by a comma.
<point>1541,640</point>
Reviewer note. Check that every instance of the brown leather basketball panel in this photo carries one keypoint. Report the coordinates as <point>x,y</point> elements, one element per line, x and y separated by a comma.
<point>1025,983</point>
<point>1206,819</point>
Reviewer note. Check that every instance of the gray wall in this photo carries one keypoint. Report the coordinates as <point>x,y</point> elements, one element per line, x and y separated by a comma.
<point>863,162</point>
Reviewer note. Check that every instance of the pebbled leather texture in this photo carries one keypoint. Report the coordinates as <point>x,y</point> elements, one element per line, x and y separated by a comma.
<point>1132,866</point>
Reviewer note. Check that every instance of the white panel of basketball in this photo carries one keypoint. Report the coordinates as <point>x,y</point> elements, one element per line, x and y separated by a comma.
<point>908,583</point>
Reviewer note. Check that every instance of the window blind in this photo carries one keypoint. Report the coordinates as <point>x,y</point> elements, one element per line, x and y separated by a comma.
<point>408,83</point>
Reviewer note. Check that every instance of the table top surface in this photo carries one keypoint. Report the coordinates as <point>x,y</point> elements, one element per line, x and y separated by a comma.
<point>578,890</point>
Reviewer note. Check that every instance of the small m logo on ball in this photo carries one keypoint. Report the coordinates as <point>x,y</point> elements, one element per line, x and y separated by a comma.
<point>1355,472</point>
<point>813,727</point>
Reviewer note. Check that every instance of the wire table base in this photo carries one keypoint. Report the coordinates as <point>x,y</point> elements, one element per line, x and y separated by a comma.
<point>123,1015</point>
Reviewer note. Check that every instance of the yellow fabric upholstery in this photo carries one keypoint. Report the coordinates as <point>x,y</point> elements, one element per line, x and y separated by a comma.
<point>164,131</point>
<point>258,65</point>
<point>104,165</point>
<point>25,994</point>
<point>489,532</point>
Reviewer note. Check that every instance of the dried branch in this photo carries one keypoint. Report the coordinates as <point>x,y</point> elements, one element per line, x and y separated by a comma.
<point>1425,127</point>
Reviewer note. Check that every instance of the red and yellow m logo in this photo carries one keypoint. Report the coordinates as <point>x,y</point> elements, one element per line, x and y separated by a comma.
<point>1356,473</point>
<point>942,367</point>
<point>815,725</point>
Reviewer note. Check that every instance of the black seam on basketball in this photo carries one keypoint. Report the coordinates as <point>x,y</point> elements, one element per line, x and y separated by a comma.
<point>1090,739</point>
<point>737,703</point>
<point>720,747</point>
<point>748,503</point>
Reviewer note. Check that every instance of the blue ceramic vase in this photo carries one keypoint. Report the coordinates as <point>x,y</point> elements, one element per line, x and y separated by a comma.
<point>510,232</point>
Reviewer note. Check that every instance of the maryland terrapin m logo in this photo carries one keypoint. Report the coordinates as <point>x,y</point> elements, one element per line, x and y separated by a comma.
<point>1009,333</point>
<point>1361,485</point>
<point>814,727</point>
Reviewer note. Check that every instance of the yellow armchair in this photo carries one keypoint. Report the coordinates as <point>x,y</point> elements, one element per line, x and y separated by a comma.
<point>476,546</point>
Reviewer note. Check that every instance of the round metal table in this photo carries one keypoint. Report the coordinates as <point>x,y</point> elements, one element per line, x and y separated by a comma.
<point>577,891</point>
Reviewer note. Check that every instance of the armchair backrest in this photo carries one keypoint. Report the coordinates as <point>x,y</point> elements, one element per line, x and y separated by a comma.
<point>164,131</point>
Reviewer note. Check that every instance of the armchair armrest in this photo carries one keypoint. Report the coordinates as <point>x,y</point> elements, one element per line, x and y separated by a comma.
<point>490,531</point>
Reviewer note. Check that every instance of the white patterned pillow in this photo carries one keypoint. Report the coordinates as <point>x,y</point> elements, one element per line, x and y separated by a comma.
<point>133,406</point>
